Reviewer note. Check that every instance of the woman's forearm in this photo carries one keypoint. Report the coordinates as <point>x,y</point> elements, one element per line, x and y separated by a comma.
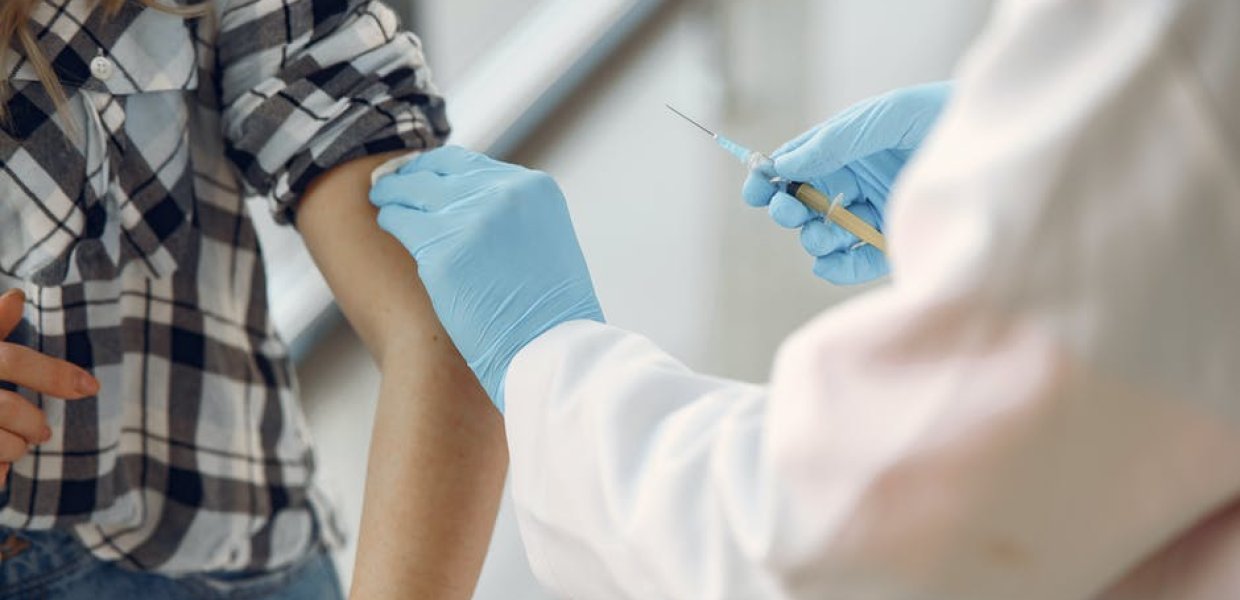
<point>437,456</point>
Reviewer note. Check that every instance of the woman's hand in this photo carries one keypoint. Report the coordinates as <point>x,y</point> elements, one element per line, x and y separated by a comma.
<point>21,423</point>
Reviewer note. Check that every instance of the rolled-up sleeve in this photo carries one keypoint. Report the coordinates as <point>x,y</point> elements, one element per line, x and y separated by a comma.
<point>308,84</point>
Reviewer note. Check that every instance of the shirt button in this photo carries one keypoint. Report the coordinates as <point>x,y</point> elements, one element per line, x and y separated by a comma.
<point>101,68</point>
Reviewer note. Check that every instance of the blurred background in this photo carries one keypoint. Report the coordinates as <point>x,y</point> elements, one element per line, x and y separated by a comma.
<point>577,89</point>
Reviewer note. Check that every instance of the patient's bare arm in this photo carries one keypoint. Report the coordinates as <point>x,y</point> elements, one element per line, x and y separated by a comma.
<point>438,456</point>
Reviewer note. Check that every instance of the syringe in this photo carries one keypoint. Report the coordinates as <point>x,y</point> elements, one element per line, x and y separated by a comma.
<point>810,196</point>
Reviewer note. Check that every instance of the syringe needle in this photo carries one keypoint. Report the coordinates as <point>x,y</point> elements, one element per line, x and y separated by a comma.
<point>695,123</point>
<point>808,195</point>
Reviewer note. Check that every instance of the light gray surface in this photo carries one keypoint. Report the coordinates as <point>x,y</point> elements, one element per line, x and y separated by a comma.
<point>457,33</point>
<point>674,252</point>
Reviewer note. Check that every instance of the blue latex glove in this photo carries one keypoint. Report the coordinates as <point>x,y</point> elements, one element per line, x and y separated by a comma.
<point>495,249</point>
<point>859,153</point>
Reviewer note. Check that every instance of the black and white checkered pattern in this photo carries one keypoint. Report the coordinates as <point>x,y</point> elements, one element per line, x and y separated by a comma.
<point>123,220</point>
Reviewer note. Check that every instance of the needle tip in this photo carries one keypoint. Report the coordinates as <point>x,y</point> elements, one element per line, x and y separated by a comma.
<point>685,117</point>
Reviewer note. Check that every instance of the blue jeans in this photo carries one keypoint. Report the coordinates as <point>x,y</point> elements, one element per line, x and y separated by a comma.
<point>55,566</point>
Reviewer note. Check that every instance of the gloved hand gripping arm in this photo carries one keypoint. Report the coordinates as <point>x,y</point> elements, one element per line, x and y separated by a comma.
<point>467,220</point>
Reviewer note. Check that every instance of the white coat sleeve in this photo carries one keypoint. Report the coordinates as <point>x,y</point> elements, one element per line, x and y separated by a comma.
<point>1031,410</point>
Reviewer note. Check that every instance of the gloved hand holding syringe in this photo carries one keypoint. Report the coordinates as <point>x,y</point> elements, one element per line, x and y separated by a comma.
<point>832,210</point>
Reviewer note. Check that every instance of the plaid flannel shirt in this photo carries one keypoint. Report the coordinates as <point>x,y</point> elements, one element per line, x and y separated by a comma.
<point>123,219</point>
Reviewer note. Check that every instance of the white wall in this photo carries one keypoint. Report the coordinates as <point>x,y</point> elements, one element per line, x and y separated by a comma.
<point>458,32</point>
<point>868,47</point>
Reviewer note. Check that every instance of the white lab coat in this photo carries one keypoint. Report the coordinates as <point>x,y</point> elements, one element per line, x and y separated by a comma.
<point>1044,403</point>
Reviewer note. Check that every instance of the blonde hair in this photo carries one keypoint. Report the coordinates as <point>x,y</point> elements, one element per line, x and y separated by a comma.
<point>15,26</point>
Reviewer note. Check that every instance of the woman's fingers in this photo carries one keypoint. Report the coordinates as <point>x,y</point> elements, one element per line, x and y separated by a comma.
<point>12,303</point>
<point>20,417</point>
<point>21,423</point>
<point>27,368</point>
<point>44,374</point>
<point>12,447</point>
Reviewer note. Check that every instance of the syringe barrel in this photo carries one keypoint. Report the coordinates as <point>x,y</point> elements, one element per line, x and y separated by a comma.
<point>833,211</point>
